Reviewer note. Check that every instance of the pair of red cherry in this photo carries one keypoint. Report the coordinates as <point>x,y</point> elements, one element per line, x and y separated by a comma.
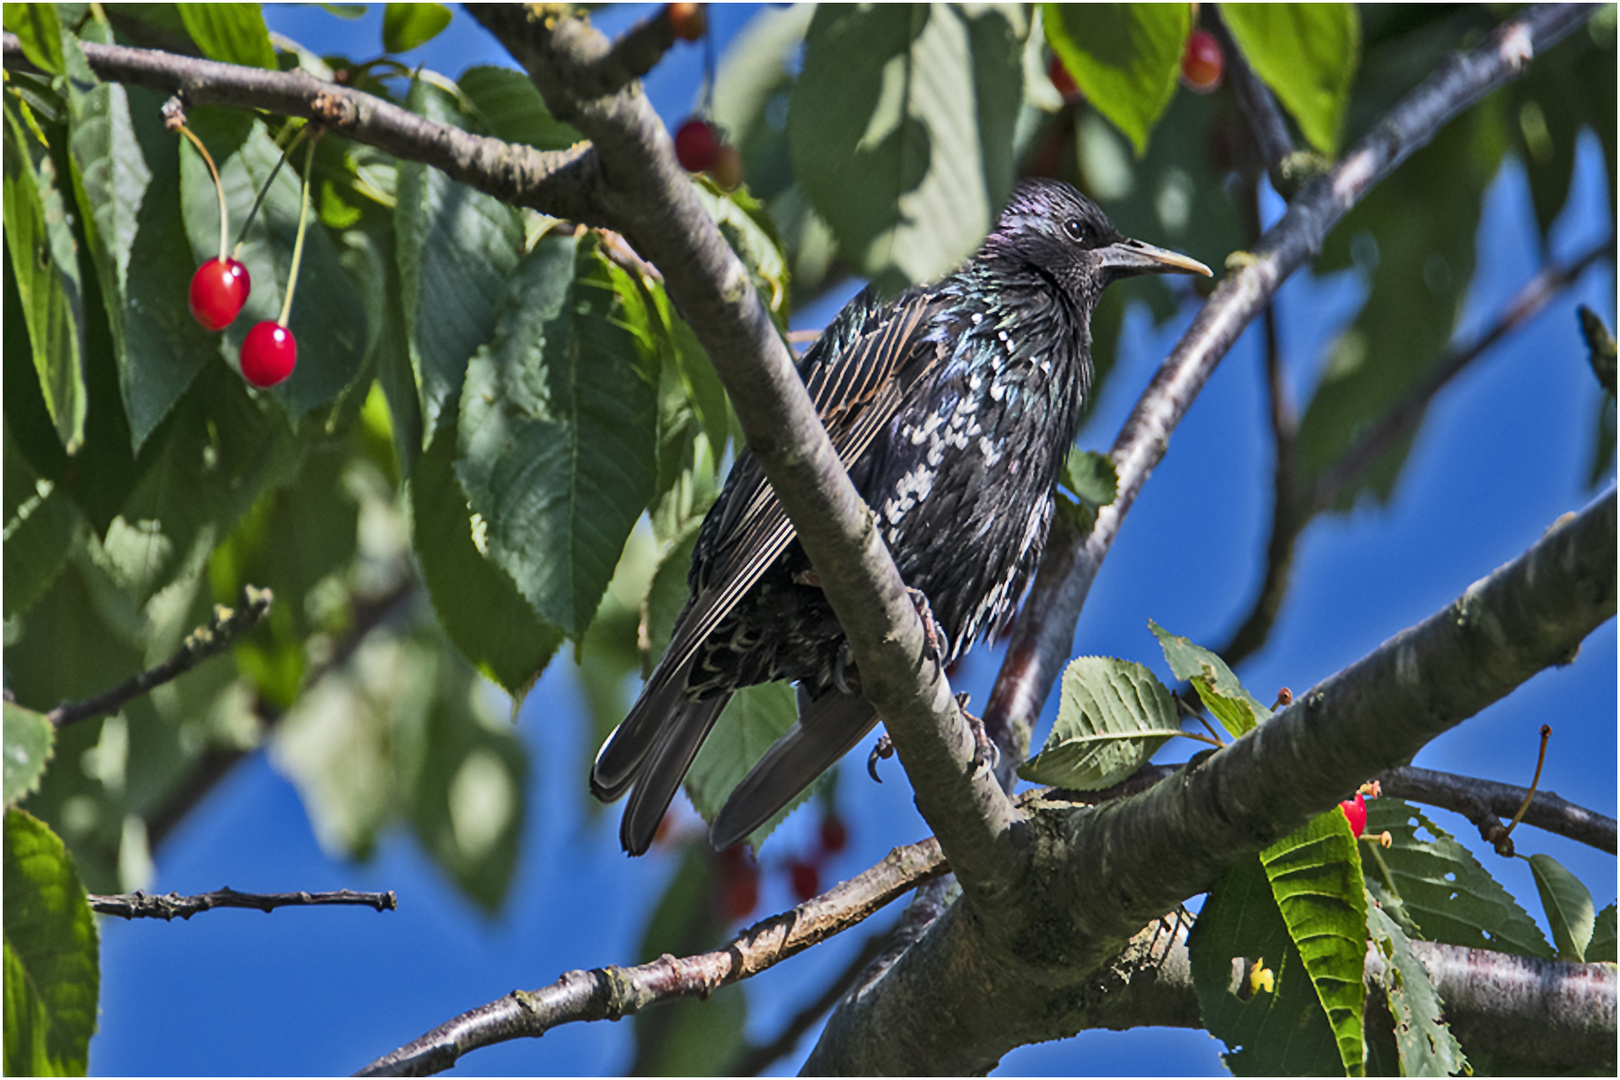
<point>219,289</point>
<point>739,875</point>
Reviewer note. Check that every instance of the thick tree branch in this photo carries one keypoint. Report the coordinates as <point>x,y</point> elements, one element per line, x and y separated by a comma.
<point>138,905</point>
<point>645,195</point>
<point>1107,870</point>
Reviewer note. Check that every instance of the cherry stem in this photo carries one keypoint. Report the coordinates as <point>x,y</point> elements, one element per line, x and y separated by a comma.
<point>298,244</point>
<point>1546,732</point>
<point>219,189</point>
<point>241,237</point>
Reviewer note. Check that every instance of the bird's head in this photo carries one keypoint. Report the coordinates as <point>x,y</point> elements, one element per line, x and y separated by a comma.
<point>1065,236</point>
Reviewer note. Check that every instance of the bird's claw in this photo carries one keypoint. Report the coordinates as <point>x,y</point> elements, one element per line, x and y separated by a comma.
<point>986,754</point>
<point>881,750</point>
<point>840,677</point>
<point>934,636</point>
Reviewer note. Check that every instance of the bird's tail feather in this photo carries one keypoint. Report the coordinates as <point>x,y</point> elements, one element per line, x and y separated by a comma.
<point>664,765</point>
<point>826,730</point>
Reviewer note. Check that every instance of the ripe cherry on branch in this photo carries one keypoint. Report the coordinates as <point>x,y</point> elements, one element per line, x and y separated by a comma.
<point>1202,64</point>
<point>219,288</point>
<point>1355,812</point>
<point>687,20</point>
<point>269,353</point>
<point>696,144</point>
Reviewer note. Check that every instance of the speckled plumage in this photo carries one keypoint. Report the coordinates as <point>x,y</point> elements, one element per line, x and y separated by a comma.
<point>953,407</point>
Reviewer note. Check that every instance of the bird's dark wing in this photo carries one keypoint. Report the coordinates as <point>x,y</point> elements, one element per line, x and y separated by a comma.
<point>857,375</point>
<point>856,381</point>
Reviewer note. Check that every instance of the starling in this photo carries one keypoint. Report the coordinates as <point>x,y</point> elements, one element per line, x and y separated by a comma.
<point>953,407</point>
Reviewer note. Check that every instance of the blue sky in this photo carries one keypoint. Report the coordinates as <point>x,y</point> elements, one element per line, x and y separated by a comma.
<point>1504,453</point>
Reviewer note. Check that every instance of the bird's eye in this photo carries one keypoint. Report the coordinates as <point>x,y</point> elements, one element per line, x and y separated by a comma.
<point>1076,231</point>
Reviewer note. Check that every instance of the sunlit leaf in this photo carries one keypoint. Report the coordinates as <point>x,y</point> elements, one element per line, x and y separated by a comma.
<point>1568,905</point>
<point>1307,54</point>
<point>1315,876</point>
<point>1112,716</point>
<point>1124,58</point>
<point>405,26</point>
<point>1219,689</point>
<point>1254,993</point>
<point>53,973</point>
<point>901,130</point>
<point>1423,1039</point>
<point>29,739</point>
<point>1426,880</point>
<point>230,33</point>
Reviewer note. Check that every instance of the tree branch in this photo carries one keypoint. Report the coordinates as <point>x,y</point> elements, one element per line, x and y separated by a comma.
<point>645,195</point>
<point>1485,802</point>
<point>1106,870</point>
<point>227,625</point>
<point>612,993</point>
<point>138,905</point>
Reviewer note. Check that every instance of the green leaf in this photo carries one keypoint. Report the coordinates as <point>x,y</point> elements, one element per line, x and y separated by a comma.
<point>900,130</point>
<point>1112,717</point>
<point>477,602</point>
<point>1315,875</point>
<point>512,109</point>
<point>557,435</point>
<point>1240,933</point>
<point>1601,948</point>
<point>42,525</point>
<point>1124,58</point>
<point>1568,905</point>
<point>1219,689</point>
<point>39,32</point>
<point>1307,54</point>
<point>755,718</point>
<point>230,33</point>
<point>1423,1039</point>
<point>29,742</point>
<point>669,593</point>
<point>457,247</point>
<point>52,974</point>
<point>328,316</point>
<point>405,26</point>
<point>1437,890</point>
<point>45,266</point>
<point>1090,478</point>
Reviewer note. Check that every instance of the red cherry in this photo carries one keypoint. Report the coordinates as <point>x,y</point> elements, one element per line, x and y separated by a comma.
<point>686,20</point>
<point>696,144</point>
<point>1202,62</point>
<point>219,288</point>
<point>1355,812</point>
<point>268,354</point>
<point>1058,72</point>
<point>834,835</point>
<point>806,881</point>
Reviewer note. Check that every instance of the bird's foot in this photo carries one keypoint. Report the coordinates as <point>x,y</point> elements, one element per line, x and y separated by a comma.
<point>986,755</point>
<point>882,750</point>
<point>840,670</point>
<point>934,636</point>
